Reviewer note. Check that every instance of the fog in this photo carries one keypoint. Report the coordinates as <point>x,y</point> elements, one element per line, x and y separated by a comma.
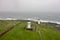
<point>44,9</point>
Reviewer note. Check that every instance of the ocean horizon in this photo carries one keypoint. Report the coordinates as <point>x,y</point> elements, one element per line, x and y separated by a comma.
<point>53,16</point>
<point>47,21</point>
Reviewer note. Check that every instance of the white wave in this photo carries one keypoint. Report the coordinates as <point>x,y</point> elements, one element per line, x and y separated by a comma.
<point>50,21</point>
<point>32,20</point>
<point>0,18</point>
<point>11,19</point>
<point>44,21</point>
<point>8,19</point>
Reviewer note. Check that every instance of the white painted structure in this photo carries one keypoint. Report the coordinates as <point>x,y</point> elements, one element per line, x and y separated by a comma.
<point>38,21</point>
<point>28,25</point>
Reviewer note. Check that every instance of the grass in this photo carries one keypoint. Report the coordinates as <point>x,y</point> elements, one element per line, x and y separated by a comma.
<point>6,24</point>
<point>19,33</point>
<point>49,33</point>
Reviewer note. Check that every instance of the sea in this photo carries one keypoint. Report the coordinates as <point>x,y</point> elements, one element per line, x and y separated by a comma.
<point>43,16</point>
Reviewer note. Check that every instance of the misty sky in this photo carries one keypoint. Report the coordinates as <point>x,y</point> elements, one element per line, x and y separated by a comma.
<point>30,5</point>
<point>31,8</point>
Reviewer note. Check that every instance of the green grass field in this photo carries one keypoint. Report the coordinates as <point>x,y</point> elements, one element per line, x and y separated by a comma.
<point>49,33</point>
<point>19,33</point>
<point>6,24</point>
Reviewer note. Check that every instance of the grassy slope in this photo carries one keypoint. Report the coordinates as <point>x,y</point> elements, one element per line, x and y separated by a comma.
<point>18,33</point>
<point>4,25</point>
<point>49,33</point>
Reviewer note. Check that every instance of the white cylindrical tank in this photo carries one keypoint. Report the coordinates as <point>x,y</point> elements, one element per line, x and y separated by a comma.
<point>28,24</point>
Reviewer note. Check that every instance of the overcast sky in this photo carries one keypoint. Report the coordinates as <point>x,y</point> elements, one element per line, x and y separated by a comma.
<point>31,8</point>
<point>29,5</point>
